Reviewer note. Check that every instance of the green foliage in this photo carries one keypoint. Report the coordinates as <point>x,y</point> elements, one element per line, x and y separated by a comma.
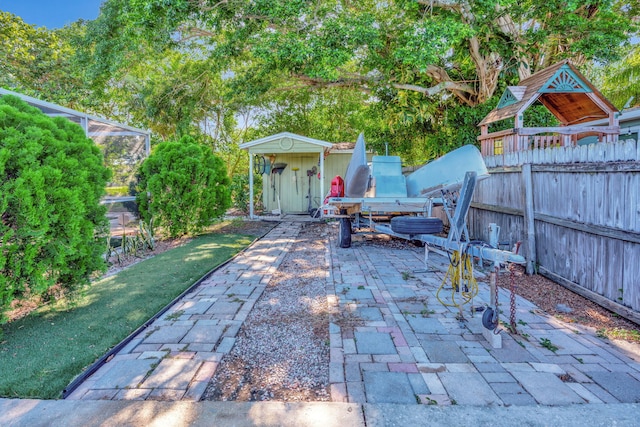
<point>118,191</point>
<point>460,48</point>
<point>409,72</point>
<point>621,80</point>
<point>183,187</point>
<point>42,63</point>
<point>240,191</point>
<point>402,71</point>
<point>336,114</point>
<point>122,155</point>
<point>181,95</point>
<point>52,182</point>
<point>546,343</point>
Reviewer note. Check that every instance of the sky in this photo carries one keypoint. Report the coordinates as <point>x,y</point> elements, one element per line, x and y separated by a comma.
<point>52,13</point>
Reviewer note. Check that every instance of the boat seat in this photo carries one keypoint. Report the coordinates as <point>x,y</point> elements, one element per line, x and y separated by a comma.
<point>388,178</point>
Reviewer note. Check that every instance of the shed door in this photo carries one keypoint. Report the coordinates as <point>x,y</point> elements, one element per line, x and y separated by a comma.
<point>293,186</point>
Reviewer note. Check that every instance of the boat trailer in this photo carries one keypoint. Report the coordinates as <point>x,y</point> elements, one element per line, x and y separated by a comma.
<point>455,199</point>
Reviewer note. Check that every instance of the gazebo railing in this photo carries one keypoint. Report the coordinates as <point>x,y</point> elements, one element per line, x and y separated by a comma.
<point>522,139</point>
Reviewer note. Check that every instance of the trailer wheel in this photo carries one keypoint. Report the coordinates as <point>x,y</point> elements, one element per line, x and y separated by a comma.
<point>416,225</point>
<point>344,235</point>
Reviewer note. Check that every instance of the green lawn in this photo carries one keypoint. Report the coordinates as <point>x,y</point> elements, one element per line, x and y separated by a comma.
<point>42,353</point>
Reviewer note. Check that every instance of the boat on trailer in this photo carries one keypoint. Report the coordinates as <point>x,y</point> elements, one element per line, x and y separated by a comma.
<point>383,190</point>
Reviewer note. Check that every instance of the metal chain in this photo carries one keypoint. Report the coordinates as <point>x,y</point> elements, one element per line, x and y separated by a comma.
<point>512,319</point>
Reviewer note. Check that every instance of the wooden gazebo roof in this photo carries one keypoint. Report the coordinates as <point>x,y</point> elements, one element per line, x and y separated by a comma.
<point>562,89</point>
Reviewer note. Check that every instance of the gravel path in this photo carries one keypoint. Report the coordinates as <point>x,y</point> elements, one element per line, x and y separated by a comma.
<point>282,350</point>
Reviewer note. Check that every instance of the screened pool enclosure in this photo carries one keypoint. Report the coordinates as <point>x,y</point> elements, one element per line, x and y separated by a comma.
<point>124,148</point>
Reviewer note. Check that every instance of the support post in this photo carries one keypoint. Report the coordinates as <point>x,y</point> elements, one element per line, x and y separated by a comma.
<point>321,178</point>
<point>529,218</point>
<point>250,185</point>
<point>495,340</point>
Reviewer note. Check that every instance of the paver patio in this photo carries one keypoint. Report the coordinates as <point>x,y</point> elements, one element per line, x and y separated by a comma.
<point>406,348</point>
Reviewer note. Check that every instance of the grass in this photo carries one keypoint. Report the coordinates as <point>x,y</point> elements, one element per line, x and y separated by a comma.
<point>43,352</point>
<point>546,343</point>
<point>118,191</point>
<point>406,275</point>
<point>631,335</point>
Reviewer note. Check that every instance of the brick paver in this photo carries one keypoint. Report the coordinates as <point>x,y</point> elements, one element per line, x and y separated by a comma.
<point>441,360</point>
<point>391,341</point>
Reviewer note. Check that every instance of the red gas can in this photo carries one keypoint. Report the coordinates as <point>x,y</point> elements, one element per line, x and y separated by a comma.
<point>337,187</point>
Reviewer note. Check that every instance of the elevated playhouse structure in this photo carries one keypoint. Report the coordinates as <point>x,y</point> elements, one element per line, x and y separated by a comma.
<point>568,95</point>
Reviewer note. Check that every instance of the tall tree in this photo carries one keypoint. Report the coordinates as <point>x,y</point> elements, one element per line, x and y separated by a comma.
<point>420,67</point>
<point>621,80</point>
<point>431,47</point>
<point>41,63</point>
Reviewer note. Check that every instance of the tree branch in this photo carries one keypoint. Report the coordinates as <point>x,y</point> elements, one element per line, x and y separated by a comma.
<point>462,90</point>
<point>433,90</point>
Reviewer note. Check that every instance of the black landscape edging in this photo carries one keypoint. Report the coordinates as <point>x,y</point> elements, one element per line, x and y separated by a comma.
<point>114,350</point>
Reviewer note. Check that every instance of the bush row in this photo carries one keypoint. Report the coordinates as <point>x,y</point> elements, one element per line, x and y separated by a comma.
<point>53,227</point>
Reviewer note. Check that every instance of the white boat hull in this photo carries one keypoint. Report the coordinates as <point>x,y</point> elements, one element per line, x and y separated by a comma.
<point>356,179</point>
<point>446,172</point>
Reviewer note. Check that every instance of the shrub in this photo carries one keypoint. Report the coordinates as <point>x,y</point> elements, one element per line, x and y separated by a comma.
<point>240,192</point>
<point>52,181</point>
<point>183,187</point>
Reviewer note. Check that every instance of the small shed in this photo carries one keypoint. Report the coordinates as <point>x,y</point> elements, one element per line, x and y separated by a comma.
<point>568,95</point>
<point>296,171</point>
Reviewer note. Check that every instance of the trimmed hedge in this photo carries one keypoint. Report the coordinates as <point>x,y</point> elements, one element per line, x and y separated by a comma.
<point>183,187</point>
<point>52,181</point>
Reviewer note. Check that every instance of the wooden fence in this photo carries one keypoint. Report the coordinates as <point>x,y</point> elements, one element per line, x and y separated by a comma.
<point>576,211</point>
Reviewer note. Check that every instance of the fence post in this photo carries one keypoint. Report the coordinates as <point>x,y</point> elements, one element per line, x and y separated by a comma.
<point>529,220</point>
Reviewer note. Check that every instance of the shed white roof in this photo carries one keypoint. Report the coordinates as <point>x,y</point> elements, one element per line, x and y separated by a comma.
<point>283,135</point>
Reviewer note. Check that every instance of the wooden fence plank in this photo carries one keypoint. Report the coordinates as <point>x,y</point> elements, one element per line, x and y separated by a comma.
<point>632,198</point>
<point>631,275</point>
<point>529,218</point>
<point>586,217</point>
<point>613,256</point>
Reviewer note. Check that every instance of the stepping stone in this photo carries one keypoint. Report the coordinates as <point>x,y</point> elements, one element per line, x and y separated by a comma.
<point>621,385</point>
<point>512,352</point>
<point>224,307</point>
<point>350,293</point>
<point>374,343</point>
<point>388,387</point>
<point>547,388</point>
<point>124,374</point>
<point>565,344</point>
<point>203,334</point>
<point>411,307</point>
<point>175,374</point>
<point>427,325</point>
<point>167,335</point>
<point>444,352</point>
<point>468,388</point>
<point>199,307</point>
<point>371,314</point>
<point>400,292</point>
<point>242,290</point>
